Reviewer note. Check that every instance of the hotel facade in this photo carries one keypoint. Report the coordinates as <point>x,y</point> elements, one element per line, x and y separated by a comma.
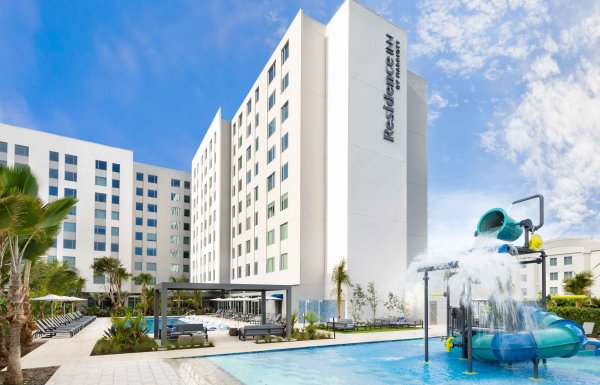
<point>135,212</point>
<point>325,159</point>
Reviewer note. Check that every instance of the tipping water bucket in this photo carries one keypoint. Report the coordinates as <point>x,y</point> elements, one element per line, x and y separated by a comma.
<point>496,221</point>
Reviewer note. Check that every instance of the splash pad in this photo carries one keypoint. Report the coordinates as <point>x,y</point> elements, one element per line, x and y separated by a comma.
<point>502,328</point>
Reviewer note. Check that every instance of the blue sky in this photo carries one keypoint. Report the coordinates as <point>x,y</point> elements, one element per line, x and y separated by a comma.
<point>514,88</point>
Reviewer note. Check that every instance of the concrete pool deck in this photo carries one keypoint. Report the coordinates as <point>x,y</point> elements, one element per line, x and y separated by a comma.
<point>78,367</point>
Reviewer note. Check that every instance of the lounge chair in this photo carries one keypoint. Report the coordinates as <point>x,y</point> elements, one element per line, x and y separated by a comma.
<point>342,324</point>
<point>412,322</point>
<point>187,329</point>
<point>261,331</point>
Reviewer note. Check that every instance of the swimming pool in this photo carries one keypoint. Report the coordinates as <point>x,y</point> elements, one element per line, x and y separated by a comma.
<point>395,362</point>
<point>172,320</point>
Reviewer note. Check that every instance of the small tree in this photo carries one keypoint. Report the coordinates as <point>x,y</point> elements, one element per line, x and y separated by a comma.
<point>395,303</point>
<point>340,278</point>
<point>115,274</point>
<point>372,298</point>
<point>579,284</point>
<point>358,302</point>
<point>144,279</point>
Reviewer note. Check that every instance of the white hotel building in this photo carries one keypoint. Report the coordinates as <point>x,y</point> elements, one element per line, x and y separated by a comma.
<point>135,212</point>
<point>325,159</point>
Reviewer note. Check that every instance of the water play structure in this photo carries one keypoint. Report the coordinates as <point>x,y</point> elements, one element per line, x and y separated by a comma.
<point>503,329</point>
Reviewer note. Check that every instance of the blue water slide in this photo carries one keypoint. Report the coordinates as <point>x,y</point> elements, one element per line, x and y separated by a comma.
<point>553,337</point>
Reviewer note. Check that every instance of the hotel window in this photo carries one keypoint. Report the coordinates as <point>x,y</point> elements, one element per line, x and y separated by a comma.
<point>283,262</point>
<point>270,265</point>
<point>175,239</point>
<point>99,197</point>
<point>271,182</point>
<point>99,246</point>
<point>283,232</point>
<point>248,152</point>
<point>71,159</point>
<point>116,183</point>
<point>174,253</point>
<point>240,163</point>
<point>255,193</point>
<point>271,102</point>
<point>272,72</point>
<point>256,169</point>
<point>53,173</point>
<point>114,247</point>
<point>114,215</point>
<point>116,167</point>
<point>256,95</point>
<point>139,206</point>
<point>139,191</point>
<point>115,199</point>
<point>240,120</point>
<point>21,150</point>
<point>523,277</point>
<point>271,128</point>
<point>285,82</point>
<point>284,142</point>
<point>186,184</point>
<point>256,120</point>
<point>175,197</point>
<point>152,193</point>
<point>138,251</point>
<point>151,222</point>
<point>248,199</point>
<point>69,261</point>
<point>568,274</point>
<point>248,176</point>
<point>138,266</point>
<point>174,225</point>
<point>99,230</point>
<point>568,260</point>
<point>284,172</point>
<point>100,181</point>
<point>249,107</point>
<point>53,191</point>
<point>151,252</point>
<point>524,292</point>
<point>553,261</point>
<point>151,237</point>
<point>284,201</point>
<point>71,176</point>
<point>270,237</point>
<point>256,144</point>
<point>247,269</point>
<point>71,192</point>
<point>175,183</point>
<point>256,218</point>
<point>553,290</point>
<point>152,208</point>
<point>99,279</point>
<point>174,268</point>
<point>139,176</point>
<point>233,129</point>
<point>271,154</point>
<point>248,223</point>
<point>152,178</point>
<point>284,112</point>
<point>100,165</point>
<point>139,221</point>
<point>175,211</point>
<point>554,276</point>
<point>53,154</point>
<point>285,52</point>
<point>151,266</point>
<point>255,268</point>
<point>270,210</point>
<point>114,231</point>
<point>69,227</point>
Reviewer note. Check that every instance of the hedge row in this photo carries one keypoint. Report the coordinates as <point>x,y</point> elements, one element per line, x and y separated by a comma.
<point>581,315</point>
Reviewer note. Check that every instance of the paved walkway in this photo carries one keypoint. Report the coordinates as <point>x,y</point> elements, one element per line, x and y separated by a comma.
<point>78,367</point>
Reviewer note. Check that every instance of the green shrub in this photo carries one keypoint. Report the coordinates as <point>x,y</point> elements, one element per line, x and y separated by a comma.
<point>581,315</point>
<point>311,327</point>
<point>268,338</point>
<point>126,335</point>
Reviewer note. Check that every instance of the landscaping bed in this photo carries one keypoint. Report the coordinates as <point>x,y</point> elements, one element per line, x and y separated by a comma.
<point>36,376</point>
<point>24,351</point>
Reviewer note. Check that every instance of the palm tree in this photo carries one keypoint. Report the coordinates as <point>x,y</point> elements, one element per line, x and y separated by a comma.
<point>29,237</point>
<point>340,278</point>
<point>579,284</point>
<point>144,279</point>
<point>196,300</point>
<point>178,294</point>
<point>98,299</point>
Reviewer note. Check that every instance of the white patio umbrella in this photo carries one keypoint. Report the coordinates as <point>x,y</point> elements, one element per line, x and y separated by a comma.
<point>52,298</point>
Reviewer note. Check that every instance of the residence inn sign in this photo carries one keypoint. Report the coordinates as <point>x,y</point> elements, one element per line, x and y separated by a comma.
<point>392,82</point>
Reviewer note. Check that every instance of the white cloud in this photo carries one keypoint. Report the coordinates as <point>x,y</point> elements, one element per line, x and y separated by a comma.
<point>553,132</point>
<point>472,35</point>
<point>436,99</point>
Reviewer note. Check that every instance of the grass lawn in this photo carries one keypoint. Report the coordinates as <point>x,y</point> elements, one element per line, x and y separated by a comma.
<point>383,329</point>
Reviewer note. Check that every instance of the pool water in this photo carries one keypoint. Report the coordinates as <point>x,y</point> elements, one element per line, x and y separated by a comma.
<point>171,321</point>
<point>395,362</point>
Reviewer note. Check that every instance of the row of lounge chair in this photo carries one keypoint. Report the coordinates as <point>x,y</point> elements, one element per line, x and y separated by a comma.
<point>70,324</point>
<point>347,324</point>
<point>246,317</point>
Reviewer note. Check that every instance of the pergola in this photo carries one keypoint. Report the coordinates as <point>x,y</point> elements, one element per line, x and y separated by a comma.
<point>165,287</point>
